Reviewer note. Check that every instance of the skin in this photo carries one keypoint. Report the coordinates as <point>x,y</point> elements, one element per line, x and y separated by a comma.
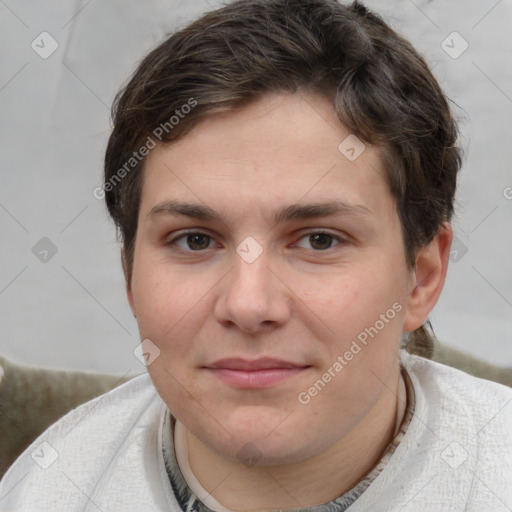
<point>303,299</point>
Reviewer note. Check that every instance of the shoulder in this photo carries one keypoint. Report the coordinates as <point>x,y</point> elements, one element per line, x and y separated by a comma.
<point>467,415</point>
<point>450,384</point>
<point>455,455</point>
<point>116,408</point>
<point>97,452</point>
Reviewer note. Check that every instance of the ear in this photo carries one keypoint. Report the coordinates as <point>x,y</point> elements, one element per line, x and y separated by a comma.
<point>428,278</point>
<point>128,281</point>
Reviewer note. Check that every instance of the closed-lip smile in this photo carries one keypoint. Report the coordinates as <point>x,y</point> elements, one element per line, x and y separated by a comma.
<point>254,374</point>
<point>263,363</point>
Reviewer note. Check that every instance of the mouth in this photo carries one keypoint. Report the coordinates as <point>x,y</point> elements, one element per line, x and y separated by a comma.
<point>256,374</point>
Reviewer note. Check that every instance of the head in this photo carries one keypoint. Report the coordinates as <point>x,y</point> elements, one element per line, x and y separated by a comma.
<point>232,120</point>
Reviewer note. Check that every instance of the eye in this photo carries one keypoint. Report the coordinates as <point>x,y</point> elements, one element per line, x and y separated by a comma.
<point>319,241</point>
<point>193,241</point>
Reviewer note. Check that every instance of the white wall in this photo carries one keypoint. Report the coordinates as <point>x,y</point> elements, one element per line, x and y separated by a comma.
<point>71,311</point>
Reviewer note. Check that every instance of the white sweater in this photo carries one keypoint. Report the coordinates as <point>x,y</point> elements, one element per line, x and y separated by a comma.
<point>106,455</point>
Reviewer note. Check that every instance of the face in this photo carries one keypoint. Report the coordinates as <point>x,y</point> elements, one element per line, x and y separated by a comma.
<point>269,270</point>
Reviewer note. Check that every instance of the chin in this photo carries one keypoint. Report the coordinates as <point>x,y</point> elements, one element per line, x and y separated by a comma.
<point>262,439</point>
<point>263,453</point>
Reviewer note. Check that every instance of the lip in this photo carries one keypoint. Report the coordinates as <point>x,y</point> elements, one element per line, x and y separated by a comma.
<point>263,363</point>
<point>256,374</point>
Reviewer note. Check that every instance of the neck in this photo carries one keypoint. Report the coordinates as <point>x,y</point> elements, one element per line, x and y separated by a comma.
<point>311,482</point>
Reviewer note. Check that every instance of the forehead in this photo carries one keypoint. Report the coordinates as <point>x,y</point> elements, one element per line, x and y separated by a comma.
<point>280,149</point>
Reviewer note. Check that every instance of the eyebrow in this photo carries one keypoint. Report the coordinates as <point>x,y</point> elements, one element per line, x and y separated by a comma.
<point>294,211</point>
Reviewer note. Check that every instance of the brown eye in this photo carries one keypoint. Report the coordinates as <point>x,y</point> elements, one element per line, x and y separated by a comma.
<point>193,241</point>
<point>319,241</point>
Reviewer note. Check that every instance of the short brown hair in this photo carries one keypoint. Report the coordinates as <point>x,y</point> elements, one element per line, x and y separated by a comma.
<point>381,88</point>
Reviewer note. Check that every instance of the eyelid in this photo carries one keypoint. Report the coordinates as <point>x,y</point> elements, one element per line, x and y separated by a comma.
<point>184,233</point>
<point>342,240</point>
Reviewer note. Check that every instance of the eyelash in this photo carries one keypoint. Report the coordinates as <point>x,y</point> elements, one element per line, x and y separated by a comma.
<point>341,241</point>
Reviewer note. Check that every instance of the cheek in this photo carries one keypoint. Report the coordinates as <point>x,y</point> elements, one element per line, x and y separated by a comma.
<point>171,308</point>
<point>348,301</point>
<point>364,312</point>
<point>169,302</point>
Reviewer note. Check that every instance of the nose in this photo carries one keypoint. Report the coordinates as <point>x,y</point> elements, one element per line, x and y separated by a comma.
<point>253,297</point>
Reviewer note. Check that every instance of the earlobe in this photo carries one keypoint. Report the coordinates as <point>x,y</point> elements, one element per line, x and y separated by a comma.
<point>428,278</point>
